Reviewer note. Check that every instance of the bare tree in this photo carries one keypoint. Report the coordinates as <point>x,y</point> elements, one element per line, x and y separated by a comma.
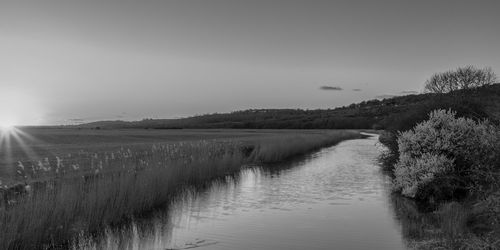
<point>462,78</point>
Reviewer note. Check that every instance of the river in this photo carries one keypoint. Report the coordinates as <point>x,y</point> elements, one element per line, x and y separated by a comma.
<point>336,198</point>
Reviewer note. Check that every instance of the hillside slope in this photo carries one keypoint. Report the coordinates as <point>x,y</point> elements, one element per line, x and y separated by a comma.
<point>396,113</point>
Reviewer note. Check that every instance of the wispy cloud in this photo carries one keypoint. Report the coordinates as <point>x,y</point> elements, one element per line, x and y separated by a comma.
<point>75,121</point>
<point>356,89</point>
<point>385,96</point>
<point>409,92</point>
<point>331,88</point>
<point>405,92</point>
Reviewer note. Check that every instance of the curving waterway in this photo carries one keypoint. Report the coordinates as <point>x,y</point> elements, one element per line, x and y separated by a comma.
<point>336,198</point>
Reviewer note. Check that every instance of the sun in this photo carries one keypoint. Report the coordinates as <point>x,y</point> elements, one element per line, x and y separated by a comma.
<point>19,107</point>
<point>7,123</point>
<point>6,126</point>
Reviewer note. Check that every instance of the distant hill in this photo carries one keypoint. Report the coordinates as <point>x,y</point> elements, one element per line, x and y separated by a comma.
<point>397,113</point>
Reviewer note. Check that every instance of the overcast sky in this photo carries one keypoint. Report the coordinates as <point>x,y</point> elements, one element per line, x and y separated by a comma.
<point>64,61</point>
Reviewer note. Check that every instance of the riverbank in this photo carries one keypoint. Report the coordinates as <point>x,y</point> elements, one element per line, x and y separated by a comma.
<point>447,169</point>
<point>315,201</point>
<point>127,183</point>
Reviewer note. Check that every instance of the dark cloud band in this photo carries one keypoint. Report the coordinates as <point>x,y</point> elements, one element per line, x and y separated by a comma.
<point>331,88</point>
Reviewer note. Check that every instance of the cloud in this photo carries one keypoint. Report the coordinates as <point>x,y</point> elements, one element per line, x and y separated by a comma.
<point>356,89</point>
<point>405,92</point>
<point>409,92</point>
<point>385,96</point>
<point>75,121</point>
<point>331,88</point>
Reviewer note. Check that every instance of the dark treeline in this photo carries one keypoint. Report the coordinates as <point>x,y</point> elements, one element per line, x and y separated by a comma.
<point>398,113</point>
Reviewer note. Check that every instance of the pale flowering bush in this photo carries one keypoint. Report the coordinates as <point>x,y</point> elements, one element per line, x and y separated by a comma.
<point>413,174</point>
<point>444,154</point>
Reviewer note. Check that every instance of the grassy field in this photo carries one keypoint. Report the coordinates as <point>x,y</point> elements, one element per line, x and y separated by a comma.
<point>36,144</point>
<point>101,178</point>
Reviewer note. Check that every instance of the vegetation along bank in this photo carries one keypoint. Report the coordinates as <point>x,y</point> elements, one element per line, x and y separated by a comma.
<point>449,165</point>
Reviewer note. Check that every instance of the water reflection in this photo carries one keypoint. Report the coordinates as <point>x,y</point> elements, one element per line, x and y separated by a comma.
<point>333,199</point>
<point>447,226</point>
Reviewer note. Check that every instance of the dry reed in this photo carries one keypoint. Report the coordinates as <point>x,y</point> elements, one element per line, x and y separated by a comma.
<point>83,194</point>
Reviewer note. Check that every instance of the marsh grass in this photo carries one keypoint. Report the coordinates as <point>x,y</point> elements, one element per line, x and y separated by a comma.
<point>108,189</point>
<point>452,225</point>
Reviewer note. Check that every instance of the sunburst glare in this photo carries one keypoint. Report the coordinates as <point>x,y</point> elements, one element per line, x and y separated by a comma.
<point>15,145</point>
<point>6,127</point>
<point>17,107</point>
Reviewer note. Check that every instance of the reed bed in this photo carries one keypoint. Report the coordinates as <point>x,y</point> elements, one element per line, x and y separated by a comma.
<point>87,192</point>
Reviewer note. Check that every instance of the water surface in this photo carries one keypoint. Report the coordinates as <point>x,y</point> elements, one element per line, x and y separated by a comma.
<point>336,198</point>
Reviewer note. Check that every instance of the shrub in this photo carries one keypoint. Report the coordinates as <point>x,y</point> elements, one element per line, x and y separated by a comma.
<point>414,174</point>
<point>389,157</point>
<point>444,155</point>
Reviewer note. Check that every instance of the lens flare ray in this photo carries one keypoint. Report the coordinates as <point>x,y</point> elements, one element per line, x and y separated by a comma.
<point>14,141</point>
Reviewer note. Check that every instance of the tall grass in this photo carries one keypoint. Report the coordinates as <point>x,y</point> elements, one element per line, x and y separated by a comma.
<point>86,194</point>
<point>452,225</point>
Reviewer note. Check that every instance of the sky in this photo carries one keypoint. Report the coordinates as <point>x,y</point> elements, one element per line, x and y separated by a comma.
<point>67,62</point>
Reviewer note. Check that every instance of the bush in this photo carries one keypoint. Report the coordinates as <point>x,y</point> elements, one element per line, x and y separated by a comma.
<point>444,155</point>
<point>414,174</point>
<point>389,157</point>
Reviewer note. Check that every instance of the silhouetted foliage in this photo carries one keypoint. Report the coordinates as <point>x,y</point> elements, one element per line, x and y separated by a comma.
<point>467,77</point>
